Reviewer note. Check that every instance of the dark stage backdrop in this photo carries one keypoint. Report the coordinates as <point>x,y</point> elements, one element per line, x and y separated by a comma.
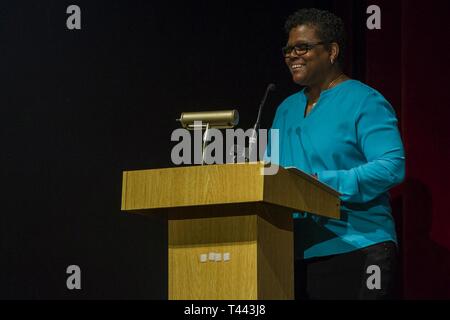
<point>406,60</point>
<point>79,107</point>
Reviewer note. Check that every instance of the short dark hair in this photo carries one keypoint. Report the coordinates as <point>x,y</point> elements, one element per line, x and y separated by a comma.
<point>330,27</point>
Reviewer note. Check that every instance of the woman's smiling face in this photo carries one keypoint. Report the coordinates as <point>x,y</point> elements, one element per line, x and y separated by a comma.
<point>311,66</point>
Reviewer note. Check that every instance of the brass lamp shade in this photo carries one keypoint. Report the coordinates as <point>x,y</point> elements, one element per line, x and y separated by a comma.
<point>225,119</point>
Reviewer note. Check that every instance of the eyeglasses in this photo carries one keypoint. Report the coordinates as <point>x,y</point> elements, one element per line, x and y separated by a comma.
<point>299,49</point>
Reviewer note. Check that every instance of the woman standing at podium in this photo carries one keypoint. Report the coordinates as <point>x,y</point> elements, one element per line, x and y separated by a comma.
<point>345,134</point>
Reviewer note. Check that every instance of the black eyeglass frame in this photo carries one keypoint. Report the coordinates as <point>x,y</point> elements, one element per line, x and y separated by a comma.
<point>300,51</point>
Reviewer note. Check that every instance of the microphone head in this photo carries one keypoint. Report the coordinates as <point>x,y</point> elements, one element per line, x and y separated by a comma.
<point>271,87</point>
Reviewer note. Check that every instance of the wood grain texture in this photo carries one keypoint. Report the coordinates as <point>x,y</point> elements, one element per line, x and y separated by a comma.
<point>190,279</point>
<point>275,260</point>
<point>302,193</point>
<point>196,186</point>
<point>261,264</point>
<point>233,209</point>
<point>191,186</point>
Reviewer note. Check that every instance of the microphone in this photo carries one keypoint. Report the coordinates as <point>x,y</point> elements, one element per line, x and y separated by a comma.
<point>270,87</point>
<point>253,138</point>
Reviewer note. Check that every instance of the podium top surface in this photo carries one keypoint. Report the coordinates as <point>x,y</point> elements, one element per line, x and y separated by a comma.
<point>224,185</point>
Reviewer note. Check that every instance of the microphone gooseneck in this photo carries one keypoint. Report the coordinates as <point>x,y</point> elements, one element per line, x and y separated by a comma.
<point>253,138</point>
<point>270,87</point>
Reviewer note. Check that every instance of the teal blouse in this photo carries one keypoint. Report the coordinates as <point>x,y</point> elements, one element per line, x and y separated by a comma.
<point>351,141</point>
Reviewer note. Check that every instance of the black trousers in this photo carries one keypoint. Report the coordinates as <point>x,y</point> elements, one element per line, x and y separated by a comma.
<point>364,274</point>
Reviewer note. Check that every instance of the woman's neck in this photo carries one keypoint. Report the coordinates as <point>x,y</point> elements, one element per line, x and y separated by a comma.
<point>313,91</point>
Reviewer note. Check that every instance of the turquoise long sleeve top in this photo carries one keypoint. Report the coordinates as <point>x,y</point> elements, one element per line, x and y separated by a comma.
<point>351,141</point>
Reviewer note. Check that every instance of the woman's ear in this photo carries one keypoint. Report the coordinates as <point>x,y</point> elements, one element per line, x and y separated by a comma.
<point>334,52</point>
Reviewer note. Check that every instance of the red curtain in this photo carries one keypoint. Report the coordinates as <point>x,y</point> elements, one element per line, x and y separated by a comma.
<point>407,61</point>
<point>426,129</point>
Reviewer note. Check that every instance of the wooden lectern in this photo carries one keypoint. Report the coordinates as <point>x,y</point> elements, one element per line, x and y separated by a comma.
<point>230,227</point>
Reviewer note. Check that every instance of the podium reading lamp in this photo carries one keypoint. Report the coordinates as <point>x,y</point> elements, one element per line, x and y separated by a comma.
<point>229,226</point>
<point>226,119</point>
